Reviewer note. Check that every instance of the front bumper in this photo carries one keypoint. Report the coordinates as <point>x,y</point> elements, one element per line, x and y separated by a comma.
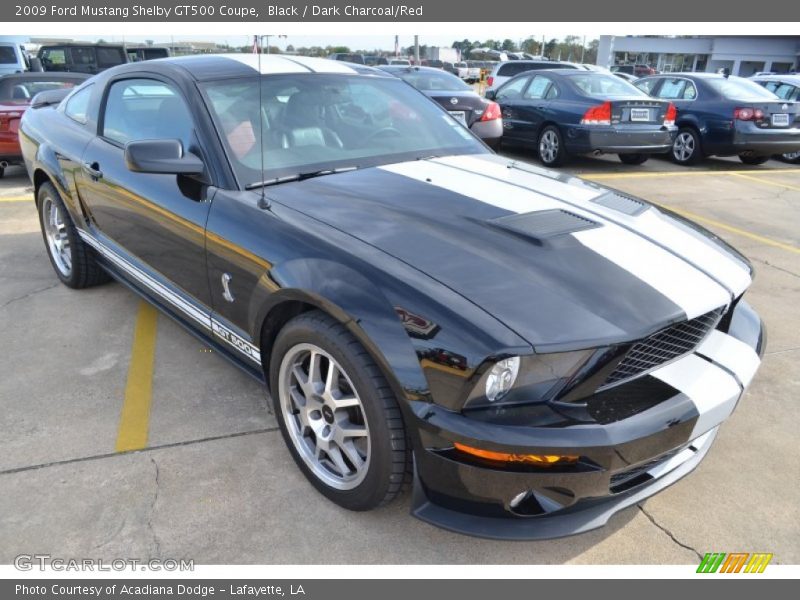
<point>621,463</point>
<point>619,139</point>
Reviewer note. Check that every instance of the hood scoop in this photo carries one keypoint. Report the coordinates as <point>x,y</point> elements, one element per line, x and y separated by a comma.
<point>620,203</point>
<point>545,224</point>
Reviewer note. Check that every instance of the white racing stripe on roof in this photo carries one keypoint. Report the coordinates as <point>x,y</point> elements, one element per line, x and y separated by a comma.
<point>713,391</point>
<point>275,63</point>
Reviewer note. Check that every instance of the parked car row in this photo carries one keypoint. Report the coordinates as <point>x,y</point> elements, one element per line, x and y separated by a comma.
<point>16,93</point>
<point>563,110</point>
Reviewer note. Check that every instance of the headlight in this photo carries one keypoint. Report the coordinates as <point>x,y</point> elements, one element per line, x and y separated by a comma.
<point>501,378</point>
<point>526,379</point>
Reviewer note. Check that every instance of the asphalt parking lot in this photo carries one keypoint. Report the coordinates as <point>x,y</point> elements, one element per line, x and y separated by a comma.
<point>215,483</point>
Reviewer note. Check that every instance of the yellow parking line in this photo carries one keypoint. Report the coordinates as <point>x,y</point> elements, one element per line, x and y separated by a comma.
<point>732,229</point>
<point>773,183</point>
<point>134,422</point>
<point>17,199</point>
<point>605,176</point>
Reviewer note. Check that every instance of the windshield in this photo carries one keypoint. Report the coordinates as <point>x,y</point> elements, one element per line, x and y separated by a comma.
<point>432,81</point>
<point>319,121</point>
<point>736,88</point>
<point>598,85</point>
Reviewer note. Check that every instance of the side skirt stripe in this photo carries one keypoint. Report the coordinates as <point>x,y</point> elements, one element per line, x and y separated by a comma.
<point>200,317</point>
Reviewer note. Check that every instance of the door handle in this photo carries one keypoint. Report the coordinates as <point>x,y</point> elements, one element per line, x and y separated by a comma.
<point>93,170</point>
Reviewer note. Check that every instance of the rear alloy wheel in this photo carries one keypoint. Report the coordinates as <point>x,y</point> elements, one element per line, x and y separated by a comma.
<point>686,147</point>
<point>551,147</point>
<point>753,160</point>
<point>633,159</point>
<point>73,261</point>
<point>337,413</point>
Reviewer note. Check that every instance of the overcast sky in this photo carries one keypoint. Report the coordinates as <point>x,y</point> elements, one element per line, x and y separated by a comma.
<point>367,42</point>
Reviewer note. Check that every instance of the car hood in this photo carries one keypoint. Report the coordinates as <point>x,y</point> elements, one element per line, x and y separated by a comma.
<point>563,263</point>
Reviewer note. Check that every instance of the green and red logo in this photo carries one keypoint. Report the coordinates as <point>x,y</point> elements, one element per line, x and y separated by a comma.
<point>734,562</point>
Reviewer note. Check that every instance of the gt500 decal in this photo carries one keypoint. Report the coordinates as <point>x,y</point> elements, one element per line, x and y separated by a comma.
<point>237,342</point>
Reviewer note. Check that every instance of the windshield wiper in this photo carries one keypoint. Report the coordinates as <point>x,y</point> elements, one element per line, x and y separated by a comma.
<point>298,177</point>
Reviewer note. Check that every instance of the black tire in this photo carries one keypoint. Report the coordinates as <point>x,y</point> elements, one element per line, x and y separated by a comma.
<point>633,159</point>
<point>753,160</point>
<point>389,452</point>
<point>84,271</point>
<point>2,172</point>
<point>793,158</point>
<point>548,137</point>
<point>692,154</point>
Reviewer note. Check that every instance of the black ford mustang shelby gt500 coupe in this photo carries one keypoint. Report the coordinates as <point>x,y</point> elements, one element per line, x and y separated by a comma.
<point>538,351</point>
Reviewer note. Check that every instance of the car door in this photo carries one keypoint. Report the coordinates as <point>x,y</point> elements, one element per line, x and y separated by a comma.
<point>155,222</point>
<point>534,106</point>
<point>509,97</point>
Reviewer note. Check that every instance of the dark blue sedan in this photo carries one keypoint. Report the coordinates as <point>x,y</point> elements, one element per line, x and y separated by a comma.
<point>726,116</point>
<point>560,112</point>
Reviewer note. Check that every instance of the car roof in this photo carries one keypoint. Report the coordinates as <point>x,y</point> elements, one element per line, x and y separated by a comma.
<point>206,67</point>
<point>788,77</point>
<point>45,76</point>
<point>406,68</point>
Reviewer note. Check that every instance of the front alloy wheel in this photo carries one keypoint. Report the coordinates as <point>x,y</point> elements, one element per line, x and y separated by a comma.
<point>337,413</point>
<point>54,224</point>
<point>324,416</point>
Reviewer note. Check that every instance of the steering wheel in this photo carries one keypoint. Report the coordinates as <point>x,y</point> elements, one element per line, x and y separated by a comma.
<point>391,131</point>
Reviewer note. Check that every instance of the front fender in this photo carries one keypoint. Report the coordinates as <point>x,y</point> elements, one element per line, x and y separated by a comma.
<point>354,301</point>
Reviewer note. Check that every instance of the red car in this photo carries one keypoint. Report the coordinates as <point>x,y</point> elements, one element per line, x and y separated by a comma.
<point>16,92</point>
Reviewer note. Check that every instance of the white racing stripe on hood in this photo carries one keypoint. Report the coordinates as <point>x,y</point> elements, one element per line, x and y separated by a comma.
<point>731,353</point>
<point>687,287</point>
<point>713,391</point>
<point>474,186</point>
<point>673,277</point>
<point>707,256</point>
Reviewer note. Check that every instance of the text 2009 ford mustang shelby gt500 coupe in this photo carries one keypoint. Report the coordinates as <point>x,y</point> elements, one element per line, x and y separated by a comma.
<point>538,351</point>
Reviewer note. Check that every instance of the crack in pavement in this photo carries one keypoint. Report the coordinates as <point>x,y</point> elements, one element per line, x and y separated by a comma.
<point>156,541</point>
<point>149,449</point>
<point>769,264</point>
<point>29,294</point>
<point>668,532</point>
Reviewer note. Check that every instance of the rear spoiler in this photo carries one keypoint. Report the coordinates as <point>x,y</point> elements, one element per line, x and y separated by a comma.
<point>50,97</point>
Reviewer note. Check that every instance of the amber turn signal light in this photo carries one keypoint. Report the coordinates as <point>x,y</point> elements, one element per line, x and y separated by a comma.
<point>542,460</point>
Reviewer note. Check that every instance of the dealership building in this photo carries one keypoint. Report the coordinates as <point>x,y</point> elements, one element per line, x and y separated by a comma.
<point>743,55</point>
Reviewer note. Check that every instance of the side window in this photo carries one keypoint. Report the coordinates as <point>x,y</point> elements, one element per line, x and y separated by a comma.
<point>145,109</point>
<point>77,107</point>
<point>55,58</point>
<point>513,89</point>
<point>538,88</point>
<point>785,91</point>
<point>82,57</point>
<point>689,92</point>
<point>647,85</point>
<point>552,92</point>
<point>672,89</point>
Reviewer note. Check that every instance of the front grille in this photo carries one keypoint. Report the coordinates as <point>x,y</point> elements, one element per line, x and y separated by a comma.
<point>665,345</point>
<point>628,399</point>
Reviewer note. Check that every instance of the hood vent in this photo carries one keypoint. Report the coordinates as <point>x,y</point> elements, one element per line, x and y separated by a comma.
<point>545,224</point>
<point>620,203</point>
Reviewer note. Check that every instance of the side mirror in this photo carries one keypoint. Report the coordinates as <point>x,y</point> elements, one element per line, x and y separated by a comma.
<point>490,95</point>
<point>161,156</point>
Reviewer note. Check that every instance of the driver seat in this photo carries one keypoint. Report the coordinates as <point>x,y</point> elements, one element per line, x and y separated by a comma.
<point>304,123</point>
